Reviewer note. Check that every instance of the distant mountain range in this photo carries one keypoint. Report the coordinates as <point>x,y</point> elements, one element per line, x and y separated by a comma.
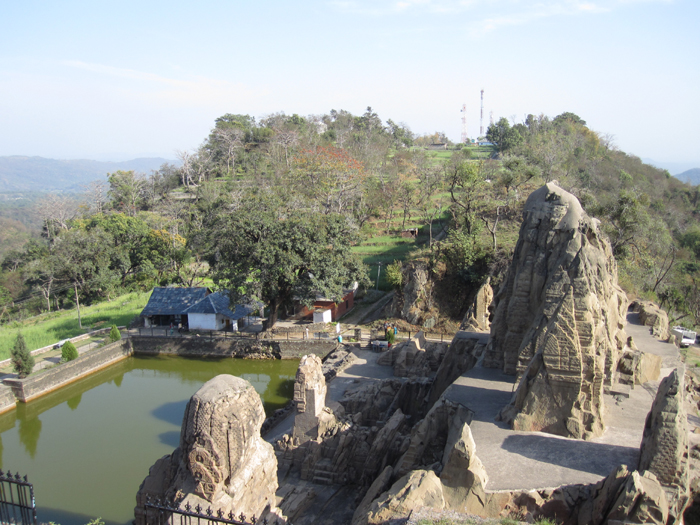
<point>22,174</point>
<point>691,176</point>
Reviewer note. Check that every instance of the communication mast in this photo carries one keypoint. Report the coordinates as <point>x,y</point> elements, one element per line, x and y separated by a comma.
<point>464,124</point>
<point>481,121</point>
<point>491,118</point>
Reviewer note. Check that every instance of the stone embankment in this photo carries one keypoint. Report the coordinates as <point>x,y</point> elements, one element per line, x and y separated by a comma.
<point>50,379</point>
<point>245,347</point>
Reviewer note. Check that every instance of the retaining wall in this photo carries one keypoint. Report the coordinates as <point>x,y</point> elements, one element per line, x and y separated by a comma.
<point>7,399</point>
<point>251,348</point>
<point>56,377</point>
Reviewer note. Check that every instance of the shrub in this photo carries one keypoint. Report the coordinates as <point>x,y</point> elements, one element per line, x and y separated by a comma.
<point>394,275</point>
<point>22,359</point>
<point>390,336</point>
<point>114,334</point>
<point>69,352</point>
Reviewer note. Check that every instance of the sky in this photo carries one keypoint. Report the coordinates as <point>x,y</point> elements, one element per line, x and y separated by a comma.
<point>115,80</point>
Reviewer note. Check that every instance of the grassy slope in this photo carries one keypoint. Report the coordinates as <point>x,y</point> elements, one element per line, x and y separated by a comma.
<point>47,329</point>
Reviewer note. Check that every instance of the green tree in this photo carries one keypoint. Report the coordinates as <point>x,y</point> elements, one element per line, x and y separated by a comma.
<point>114,334</point>
<point>69,352</point>
<point>22,359</point>
<point>275,259</point>
<point>503,136</point>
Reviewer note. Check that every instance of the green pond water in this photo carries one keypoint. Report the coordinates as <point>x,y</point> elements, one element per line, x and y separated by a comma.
<point>87,447</point>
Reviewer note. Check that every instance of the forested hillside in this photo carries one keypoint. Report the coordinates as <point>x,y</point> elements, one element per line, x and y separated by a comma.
<point>22,174</point>
<point>289,206</point>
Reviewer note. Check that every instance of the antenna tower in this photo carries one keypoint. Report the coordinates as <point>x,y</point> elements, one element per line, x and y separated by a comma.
<point>481,121</point>
<point>464,124</point>
<point>491,118</point>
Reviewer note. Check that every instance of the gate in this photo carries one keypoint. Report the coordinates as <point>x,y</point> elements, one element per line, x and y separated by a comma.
<point>17,504</point>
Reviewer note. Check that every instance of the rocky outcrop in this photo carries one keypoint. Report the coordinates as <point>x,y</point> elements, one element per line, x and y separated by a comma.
<point>430,437</point>
<point>462,355</point>
<point>420,488</point>
<point>664,450</point>
<point>636,367</point>
<point>653,316</point>
<point>222,462</point>
<point>371,405</point>
<point>414,302</point>
<point>477,317</point>
<point>559,319</point>
<point>311,418</point>
<point>463,477</point>
<point>416,357</point>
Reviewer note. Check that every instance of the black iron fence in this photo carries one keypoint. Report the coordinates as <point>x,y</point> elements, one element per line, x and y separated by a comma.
<point>17,504</point>
<point>163,512</point>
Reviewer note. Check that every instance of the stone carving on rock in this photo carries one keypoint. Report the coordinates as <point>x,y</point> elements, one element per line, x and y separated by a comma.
<point>311,418</point>
<point>222,461</point>
<point>664,450</point>
<point>559,318</point>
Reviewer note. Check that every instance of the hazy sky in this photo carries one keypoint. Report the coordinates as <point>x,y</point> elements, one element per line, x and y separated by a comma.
<point>117,80</point>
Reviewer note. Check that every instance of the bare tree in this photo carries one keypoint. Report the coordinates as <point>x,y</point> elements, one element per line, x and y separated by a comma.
<point>56,212</point>
<point>96,193</point>
<point>195,167</point>
<point>231,139</point>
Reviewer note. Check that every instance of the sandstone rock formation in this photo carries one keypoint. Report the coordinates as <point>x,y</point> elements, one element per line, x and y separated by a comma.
<point>415,357</point>
<point>462,355</point>
<point>410,302</point>
<point>477,317</point>
<point>664,450</point>
<point>636,367</point>
<point>222,461</point>
<point>559,319</point>
<point>653,316</point>
<point>430,438</point>
<point>419,488</point>
<point>311,418</point>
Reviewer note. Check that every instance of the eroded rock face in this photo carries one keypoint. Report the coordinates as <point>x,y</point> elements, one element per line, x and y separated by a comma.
<point>222,461</point>
<point>419,488</point>
<point>653,316</point>
<point>429,438</point>
<point>664,449</point>
<point>559,319</point>
<point>477,317</point>
<point>462,355</point>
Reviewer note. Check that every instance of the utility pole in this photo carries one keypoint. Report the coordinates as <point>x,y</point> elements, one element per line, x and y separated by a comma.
<point>379,269</point>
<point>464,124</point>
<point>481,121</point>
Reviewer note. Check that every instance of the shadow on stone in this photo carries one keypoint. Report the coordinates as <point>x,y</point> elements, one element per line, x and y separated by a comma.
<point>584,456</point>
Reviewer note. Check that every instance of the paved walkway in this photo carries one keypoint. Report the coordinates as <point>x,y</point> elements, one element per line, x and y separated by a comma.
<point>534,460</point>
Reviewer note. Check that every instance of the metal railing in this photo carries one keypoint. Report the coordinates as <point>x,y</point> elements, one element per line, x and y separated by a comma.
<point>17,504</point>
<point>164,512</point>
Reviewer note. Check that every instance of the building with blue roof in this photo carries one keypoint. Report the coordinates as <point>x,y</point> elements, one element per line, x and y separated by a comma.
<point>196,309</point>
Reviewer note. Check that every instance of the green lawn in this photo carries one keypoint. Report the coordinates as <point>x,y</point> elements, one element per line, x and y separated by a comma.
<point>47,329</point>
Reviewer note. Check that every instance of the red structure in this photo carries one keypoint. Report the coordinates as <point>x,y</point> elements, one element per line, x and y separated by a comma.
<point>337,310</point>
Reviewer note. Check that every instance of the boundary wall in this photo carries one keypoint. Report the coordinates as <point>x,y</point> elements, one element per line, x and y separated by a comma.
<point>50,379</point>
<point>55,377</point>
